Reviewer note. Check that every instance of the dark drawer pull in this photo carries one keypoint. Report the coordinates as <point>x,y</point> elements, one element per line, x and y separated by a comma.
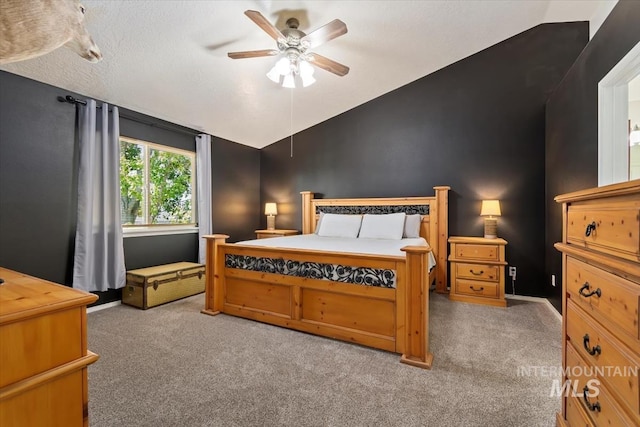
<point>590,229</point>
<point>586,287</point>
<point>592,351</point>
<point>476,274</point>
<point>477,290</point>
<point>593,407</point>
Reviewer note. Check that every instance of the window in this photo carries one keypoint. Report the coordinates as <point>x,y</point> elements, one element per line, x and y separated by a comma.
<point>157,185</point>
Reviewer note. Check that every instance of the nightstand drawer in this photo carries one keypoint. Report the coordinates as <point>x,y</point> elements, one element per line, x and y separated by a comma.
<point>479,252</point>
<point>490,273</point>
<point>480,289</point>
<point>267,234</point>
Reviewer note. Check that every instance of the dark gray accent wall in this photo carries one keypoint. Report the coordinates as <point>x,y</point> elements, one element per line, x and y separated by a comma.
<point>38,187</point>
<point>477,125</point>
<point>37,179</point>
<point>146,251</point>
<point>236,189</point>
<point>572,125</point>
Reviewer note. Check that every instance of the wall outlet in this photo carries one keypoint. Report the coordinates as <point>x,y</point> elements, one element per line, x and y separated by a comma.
<point>553,280</point>
<point>512,272</point>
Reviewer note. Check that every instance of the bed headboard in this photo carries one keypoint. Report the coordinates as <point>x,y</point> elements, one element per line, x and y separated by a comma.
<point>434,226</point>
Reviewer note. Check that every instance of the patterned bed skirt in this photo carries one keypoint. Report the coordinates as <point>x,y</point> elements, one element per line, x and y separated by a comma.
<point>367,276</point>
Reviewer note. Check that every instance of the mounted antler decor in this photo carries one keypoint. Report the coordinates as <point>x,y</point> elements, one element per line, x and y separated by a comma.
<point>32,28</point>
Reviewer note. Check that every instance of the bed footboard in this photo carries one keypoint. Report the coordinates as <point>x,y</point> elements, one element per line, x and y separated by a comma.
<point>328,294</point>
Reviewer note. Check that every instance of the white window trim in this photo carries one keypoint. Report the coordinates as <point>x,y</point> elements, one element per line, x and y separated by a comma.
<point>613,116</point>
<point>143,231</point>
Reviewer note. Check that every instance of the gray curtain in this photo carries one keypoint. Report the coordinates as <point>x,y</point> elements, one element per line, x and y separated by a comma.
<point>99,255</point>
<point>203,185</point>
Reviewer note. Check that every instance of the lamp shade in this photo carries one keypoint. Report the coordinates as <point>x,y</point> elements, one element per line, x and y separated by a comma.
<point>274,75</point>
<point>270,209</point>
<point>283,66</point>
<point>309,80</point>
<point>289,81</point>
<point>490,208</point>
<point>305,69</point>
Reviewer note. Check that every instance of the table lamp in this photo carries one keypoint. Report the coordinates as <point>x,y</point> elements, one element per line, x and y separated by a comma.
<point>271,210</point>
<point>490,209</point>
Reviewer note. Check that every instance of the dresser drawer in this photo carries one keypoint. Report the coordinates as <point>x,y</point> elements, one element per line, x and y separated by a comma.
<point>609,413</point>
<point>39,344</point>
<point>617,300</point>
<point>585,333</point>
<point>481,289</point>
<point>484,272</point>
<point>617,229</point>
<point>576,415</point>
<point>479,252</point>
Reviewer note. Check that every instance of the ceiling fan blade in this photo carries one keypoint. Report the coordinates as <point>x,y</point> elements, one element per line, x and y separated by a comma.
<point>333,29</point>
<point>266,26</point>
<point>252,53</point>
<point>328,64</point>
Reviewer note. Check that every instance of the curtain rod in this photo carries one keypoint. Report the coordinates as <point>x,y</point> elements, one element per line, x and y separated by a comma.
<point>71,100</point>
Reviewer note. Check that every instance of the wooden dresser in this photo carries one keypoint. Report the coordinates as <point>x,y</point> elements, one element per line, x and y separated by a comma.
<point>477,270</point>
<point>601,296</point>
<point>43,352</point>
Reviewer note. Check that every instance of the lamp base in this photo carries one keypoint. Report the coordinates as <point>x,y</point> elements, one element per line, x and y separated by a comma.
<point>490,228</point>
<point>271,222</point>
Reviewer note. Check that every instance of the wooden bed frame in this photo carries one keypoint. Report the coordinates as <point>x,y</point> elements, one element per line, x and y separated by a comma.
<point>391,319</point>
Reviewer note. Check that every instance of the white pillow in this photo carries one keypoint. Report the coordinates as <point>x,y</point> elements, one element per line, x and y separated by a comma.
<point>412,226</point>
<point>336,225</point>
<point>318,223</point>
<point>387,226</point>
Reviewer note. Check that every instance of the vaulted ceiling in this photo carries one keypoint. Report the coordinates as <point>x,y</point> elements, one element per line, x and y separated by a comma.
<point>168,59</point>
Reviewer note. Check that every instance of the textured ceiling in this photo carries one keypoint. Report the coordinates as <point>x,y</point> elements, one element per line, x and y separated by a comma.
<point>168,58</point>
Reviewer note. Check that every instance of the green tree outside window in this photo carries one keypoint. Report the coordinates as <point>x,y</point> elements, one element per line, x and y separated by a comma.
<point>156,185</point>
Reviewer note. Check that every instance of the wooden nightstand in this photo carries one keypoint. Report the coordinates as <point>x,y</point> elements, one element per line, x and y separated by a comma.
<point>477,270</point>
<point>265,234</point>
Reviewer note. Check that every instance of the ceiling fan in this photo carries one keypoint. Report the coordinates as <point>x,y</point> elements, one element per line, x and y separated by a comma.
<point>295,48</point>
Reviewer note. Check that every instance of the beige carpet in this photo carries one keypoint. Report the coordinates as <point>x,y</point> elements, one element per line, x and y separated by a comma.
<point>172,366</point>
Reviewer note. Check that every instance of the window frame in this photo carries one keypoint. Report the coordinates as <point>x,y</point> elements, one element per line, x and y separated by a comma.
<point>138,230</point>
<point>613,118</point>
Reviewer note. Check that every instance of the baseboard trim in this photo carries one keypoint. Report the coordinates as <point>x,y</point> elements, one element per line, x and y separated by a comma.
<point>539,300</point>
<point>103,306</point>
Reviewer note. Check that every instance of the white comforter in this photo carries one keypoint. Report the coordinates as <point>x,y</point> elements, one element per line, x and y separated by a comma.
<point>342,244</point>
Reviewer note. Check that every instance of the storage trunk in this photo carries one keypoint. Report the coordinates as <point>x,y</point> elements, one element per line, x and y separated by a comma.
<point>152,286</point>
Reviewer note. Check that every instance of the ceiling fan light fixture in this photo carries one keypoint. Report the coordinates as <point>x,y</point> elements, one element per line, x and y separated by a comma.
<point>283,66</point>
<point>289,82</point>
<point>274,75</point>
<point>306,70</point>
<point>294,48</point>
<point>307,80</point>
